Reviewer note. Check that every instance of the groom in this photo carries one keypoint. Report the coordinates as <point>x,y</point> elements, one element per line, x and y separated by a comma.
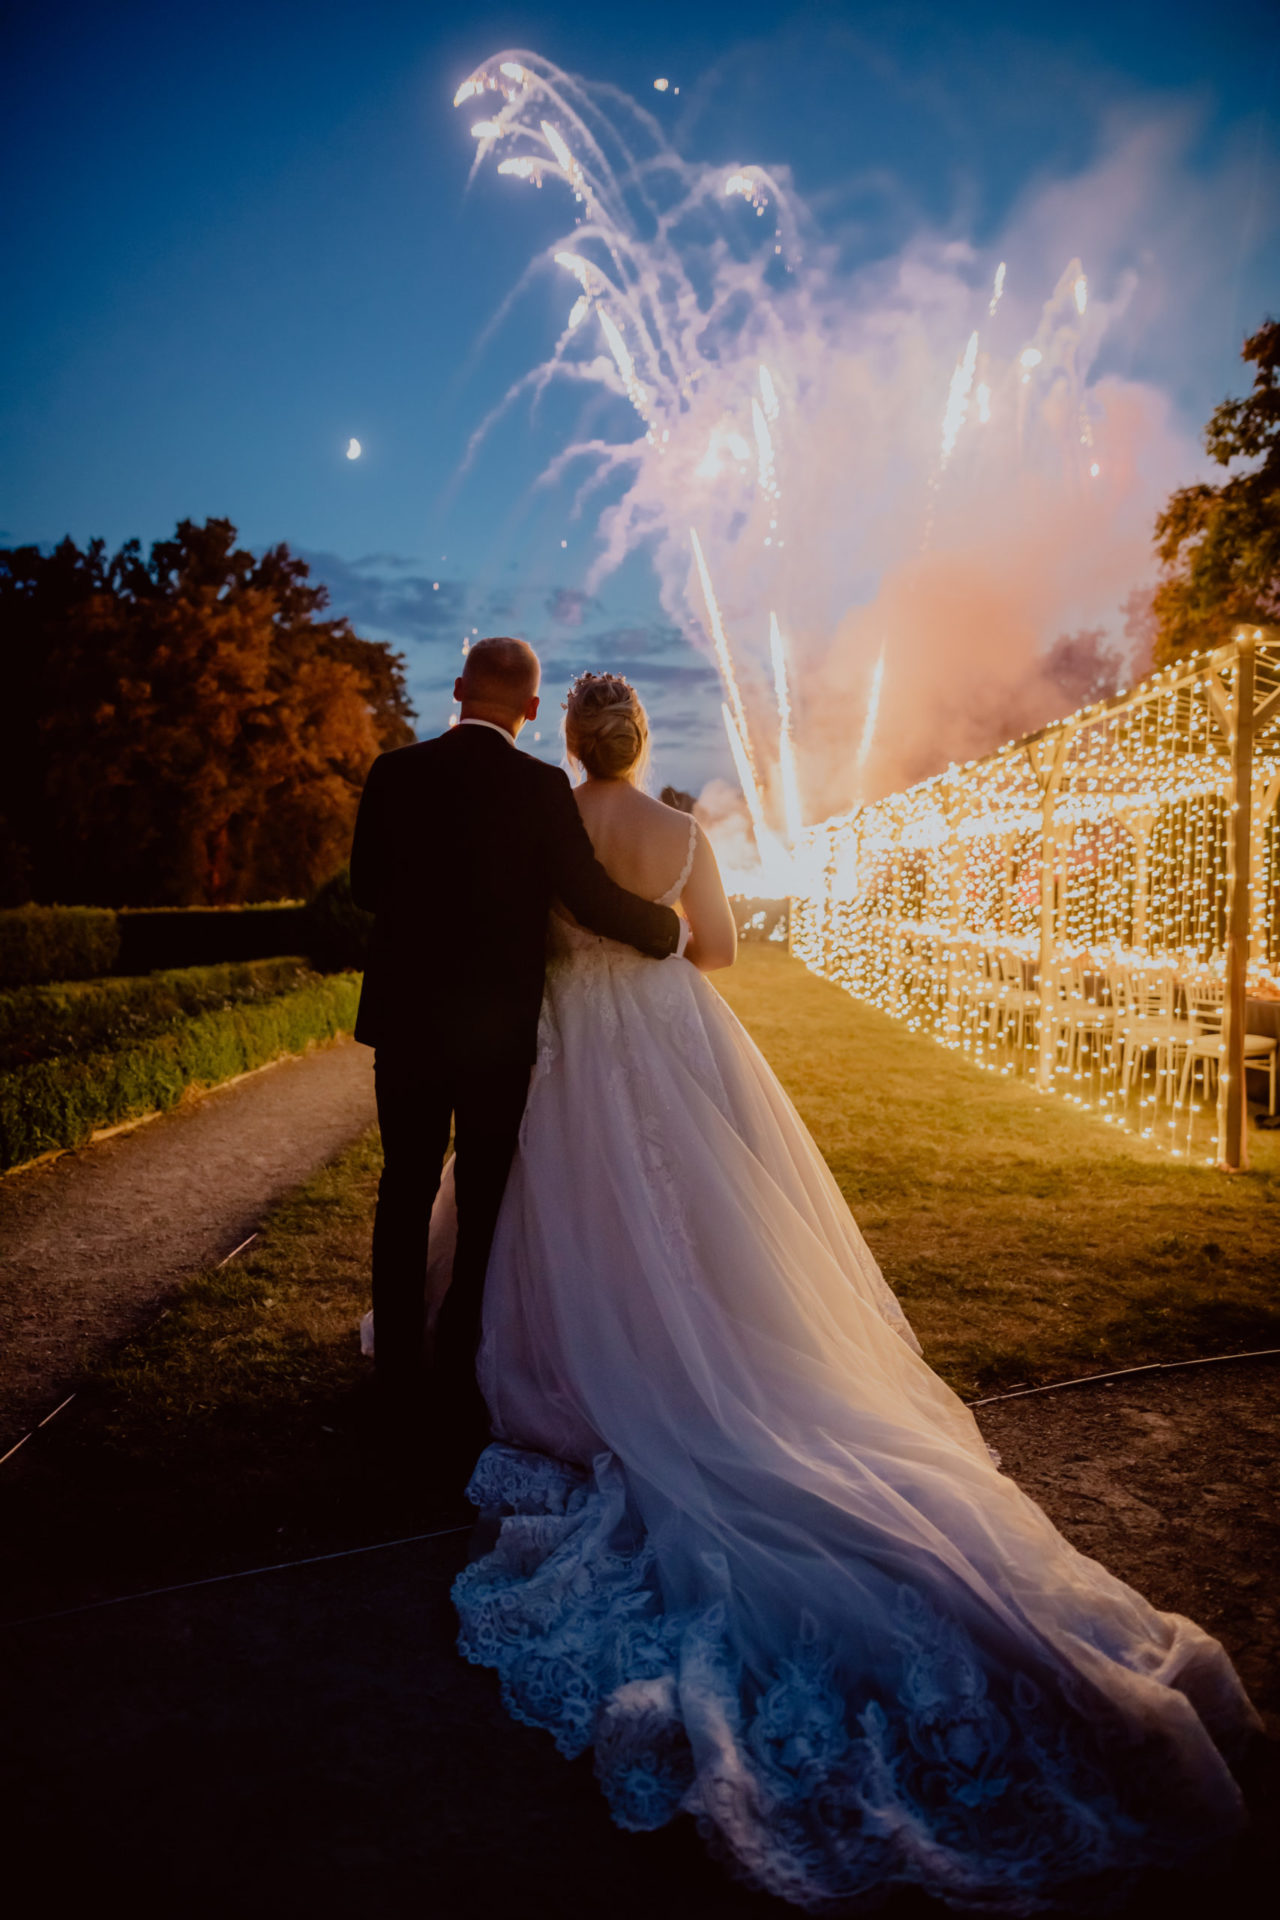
<point>461,844</point>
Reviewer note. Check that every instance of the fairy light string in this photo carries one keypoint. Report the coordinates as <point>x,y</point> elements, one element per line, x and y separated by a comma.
<point>927,903</point>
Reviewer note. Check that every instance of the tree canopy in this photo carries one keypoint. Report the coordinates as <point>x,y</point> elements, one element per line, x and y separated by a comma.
<point>186,729</point>
<point>1220,545</point>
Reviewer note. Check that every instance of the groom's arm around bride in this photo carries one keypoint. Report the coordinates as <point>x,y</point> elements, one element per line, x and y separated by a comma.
<point>461,844</point>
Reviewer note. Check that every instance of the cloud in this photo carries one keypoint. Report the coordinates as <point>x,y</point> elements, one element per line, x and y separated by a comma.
<point>569,606</point>
<point>389,597</point>
<point>386,597</point>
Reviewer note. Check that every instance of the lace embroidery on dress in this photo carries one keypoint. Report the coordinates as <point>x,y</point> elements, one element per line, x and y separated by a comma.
<point>672,894</point>
<point>942,1770</point>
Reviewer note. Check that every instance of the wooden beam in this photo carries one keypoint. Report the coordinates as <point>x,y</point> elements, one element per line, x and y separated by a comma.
<point>1270,794</point>
<point>1262,714</point>
<point>1218,707</point>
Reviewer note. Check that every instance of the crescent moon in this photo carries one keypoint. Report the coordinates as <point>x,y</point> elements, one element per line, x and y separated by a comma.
<point>354,449</point>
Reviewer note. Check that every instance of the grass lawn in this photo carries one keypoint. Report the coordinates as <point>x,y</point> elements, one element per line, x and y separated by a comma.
<point>1027,1241</point>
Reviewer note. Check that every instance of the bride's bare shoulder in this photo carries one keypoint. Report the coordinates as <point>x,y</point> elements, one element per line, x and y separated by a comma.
<point>637,813</point>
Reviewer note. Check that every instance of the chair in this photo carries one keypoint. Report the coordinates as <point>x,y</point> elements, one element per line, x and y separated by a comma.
<point>1150,1024</point>
<point>1087,1015</point>
<point>1018,1005</point>
<point>1207,998</point>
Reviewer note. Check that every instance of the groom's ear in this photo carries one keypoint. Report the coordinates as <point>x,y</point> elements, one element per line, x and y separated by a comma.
<point>531,711</point>
<point>457,688</point>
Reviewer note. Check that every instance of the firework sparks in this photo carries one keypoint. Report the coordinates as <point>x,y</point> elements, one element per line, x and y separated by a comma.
<point>766,845</point>
<point>869,720</point>
<point>724,659</point>
<point>958,398</point>
<point>564,159</point>
<point>523,168</point>
<point>626,365</point>
<point>764,451</point>
<point>793,820</point>
<point>768,393</point>
<point>997,290</point>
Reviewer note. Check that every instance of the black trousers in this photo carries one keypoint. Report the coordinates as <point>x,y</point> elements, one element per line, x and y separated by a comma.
<point>416,1102</point>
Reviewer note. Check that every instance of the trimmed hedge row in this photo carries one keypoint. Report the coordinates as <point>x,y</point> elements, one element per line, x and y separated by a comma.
<point>96,1016</point>
<point>43,944</point>
<point>155,937</point>
<point>60,1102</point>
<point>56,943</point>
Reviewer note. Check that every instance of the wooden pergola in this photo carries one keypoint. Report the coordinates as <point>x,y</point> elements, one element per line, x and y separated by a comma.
<point>1142,829</point>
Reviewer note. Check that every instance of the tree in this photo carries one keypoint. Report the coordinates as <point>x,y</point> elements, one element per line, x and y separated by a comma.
<point>1220,545</point>
<point>188,730</point>
<point>1082,668</point>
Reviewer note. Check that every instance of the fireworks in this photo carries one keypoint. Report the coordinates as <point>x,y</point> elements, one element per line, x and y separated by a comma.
<point>997,290</point>
<point>958,397</point>
<point>724,658</point>
<point>791,814</point>
<point>689,303</point>
<point>869,722</point>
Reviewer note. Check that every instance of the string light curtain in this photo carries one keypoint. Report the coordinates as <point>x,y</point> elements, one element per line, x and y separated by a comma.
<point>1024,908</point>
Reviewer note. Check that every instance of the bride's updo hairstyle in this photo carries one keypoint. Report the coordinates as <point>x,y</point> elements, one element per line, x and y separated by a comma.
<point>606,728</point>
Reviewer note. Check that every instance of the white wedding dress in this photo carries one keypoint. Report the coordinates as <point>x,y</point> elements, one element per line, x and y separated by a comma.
<point>753,1551</point>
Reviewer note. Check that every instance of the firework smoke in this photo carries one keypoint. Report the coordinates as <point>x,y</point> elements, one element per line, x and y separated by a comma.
<point>791,412</point>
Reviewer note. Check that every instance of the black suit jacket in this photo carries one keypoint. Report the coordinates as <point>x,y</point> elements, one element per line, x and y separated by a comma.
<point>461,844</point>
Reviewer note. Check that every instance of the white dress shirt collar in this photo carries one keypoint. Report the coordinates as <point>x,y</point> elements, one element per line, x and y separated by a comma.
<point>493,728</point>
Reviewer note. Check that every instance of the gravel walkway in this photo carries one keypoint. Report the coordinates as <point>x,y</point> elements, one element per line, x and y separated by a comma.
<point>90,1242</point>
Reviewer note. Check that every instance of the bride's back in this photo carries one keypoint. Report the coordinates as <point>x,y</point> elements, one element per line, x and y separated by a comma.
<point>645,846</point>
<point>641,843</point>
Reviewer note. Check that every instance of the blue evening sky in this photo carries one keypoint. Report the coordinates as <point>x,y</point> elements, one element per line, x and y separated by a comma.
<point>235,235</point>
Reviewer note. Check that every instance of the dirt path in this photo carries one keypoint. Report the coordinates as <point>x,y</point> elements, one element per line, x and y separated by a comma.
<point>1172,1481</point>
<point>91,1241</point>
<point>310,1740</point>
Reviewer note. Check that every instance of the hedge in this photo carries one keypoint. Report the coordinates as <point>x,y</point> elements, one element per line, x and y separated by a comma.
<point>337,929</point>
<point>156,937</point>
<point>56,943</point>
<point>96,1016</point>
<point>60,1102</point>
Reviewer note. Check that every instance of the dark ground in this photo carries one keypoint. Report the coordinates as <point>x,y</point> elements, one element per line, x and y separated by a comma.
<point>308,1741</point>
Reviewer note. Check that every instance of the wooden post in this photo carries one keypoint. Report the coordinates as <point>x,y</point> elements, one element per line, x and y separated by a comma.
<point>1140,825</point>
<point>1049,775</point>
<point>1233,1112</point>
<point>1008,846</point>
<point>955,919</point>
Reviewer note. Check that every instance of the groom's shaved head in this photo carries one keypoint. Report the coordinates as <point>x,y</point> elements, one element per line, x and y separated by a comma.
<point>500,676</point>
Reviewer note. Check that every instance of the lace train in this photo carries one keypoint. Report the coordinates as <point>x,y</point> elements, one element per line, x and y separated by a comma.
<point>936,1764</point>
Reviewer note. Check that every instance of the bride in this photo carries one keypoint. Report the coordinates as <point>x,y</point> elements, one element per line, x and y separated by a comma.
<point>752,1551</point>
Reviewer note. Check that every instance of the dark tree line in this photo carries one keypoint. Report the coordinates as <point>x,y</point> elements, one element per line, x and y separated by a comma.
<point>184,729</point>
<point>1220,545</point>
